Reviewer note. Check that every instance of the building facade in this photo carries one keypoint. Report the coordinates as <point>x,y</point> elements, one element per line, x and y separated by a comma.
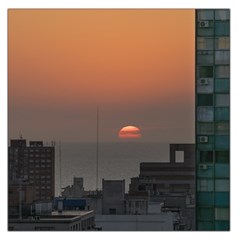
<point>212,118</point>
<point>30,167</point>
<point>64,221</point>
<point>171,183</point>
<point>113,197</point>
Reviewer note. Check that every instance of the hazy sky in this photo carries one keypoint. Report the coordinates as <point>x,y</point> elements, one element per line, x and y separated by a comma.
<point>137,65</point>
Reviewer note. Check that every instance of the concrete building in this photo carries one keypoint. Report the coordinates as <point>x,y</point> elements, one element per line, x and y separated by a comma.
<point>113,197</point>
<point>137,203</point>
<point>159,222</point>
<point>65,221</point>
<point>212,118</point>
<point>30,167</point>
<point>74,191</point>
<point>171,183</point>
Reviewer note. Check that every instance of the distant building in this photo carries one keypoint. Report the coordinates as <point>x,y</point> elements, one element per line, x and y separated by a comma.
<point>76,190</point>
<point>113,197</point>
<point>137,203</point>
<point>171,183</point>
<point>64,221</point>
<point>212,118</point>
<point>30,172</point>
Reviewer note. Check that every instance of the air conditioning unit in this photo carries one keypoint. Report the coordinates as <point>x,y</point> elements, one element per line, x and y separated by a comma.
<point>202,166</point>
<point>204,81</point>
<point>204,24</point>
<point>203,139</point>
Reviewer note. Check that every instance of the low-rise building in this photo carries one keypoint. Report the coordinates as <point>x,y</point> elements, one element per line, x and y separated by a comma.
<point>57,221</point>
<point>158,222</point>
<point>113,197</point>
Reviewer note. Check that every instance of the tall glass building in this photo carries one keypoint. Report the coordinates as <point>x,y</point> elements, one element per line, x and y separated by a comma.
<point>212,119</point>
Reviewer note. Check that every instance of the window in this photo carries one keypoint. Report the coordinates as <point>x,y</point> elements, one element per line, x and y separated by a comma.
<point>222,113</point>
<point>112,210</point>
<point>222,142</point>
<point>222,14</point>
<point>205,114</point>
<point>205,128</point>
<point>222,199</point>
<point>206,156</point>
<point>205,57</point>
<point>222,128</point>
<point>205,213</point>
<point>205,85</point>
<point>222,100</point>
<point>205,185</point>
<point>205,71</point>
<point>222,85</point>
<point>222,72</point>
<point>179,156</point>
<point>222,28</point>
<point>222,213</point>
<point>222,170</point>
<point>205,198</point>
<point>208,172</point>
<point>222,43</point>
<point>204,43</point>
<point>205,99</point>
<point>222,156</point>
<point>205,14</point>
<point>222,185</point>
<point>222,57</point>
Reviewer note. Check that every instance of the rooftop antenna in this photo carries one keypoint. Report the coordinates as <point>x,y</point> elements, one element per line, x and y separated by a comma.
<point>20,135</point>
<point>60,166</point>
<point>97,147</point>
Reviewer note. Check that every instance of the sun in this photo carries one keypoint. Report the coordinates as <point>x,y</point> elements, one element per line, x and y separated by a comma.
<point>130,132</point>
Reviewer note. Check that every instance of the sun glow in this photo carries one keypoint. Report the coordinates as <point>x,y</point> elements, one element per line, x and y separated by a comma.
<point>129,132</point>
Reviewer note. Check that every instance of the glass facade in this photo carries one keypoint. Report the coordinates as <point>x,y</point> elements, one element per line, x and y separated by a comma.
<point>212,119</point>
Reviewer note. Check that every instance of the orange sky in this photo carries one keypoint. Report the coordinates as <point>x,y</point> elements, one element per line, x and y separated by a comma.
<point>137,65</point>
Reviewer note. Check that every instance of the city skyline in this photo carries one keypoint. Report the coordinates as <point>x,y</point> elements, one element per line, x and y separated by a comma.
<point>65,63</point>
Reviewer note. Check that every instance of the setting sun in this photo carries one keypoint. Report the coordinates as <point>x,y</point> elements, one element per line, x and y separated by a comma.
<point>129,132</point>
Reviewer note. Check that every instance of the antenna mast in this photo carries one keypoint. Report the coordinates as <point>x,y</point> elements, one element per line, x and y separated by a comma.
<point>97,148</point>
<point>60,166</point>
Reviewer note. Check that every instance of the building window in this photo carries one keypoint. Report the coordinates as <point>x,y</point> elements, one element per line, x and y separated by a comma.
<point>205,57</point>
<point>205,114</point>
<point>205,99</point>
<point>222,185</point>
<point>206,156</point>
<point>222,28</point>
<point>222,14</point>
<point>205,14</point>
<point>222,100</point>
<point>222,171</point>
<point>179,156</point>
<point>222,128</point>
<point>222,113</point>
<point>204,43</point>
<point>112,210</point>
<point>222,57</point>
<point>222,85</point>
<point>222,43</point>
<point>205,71</point>
<point>222,142</point>
<point>205,128</point>
<point>222,72</point>
<point>205,185</point>
<point>205,85</point>
<point>222,213</point>
<point>222,156</point>
<point>205,198</point>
